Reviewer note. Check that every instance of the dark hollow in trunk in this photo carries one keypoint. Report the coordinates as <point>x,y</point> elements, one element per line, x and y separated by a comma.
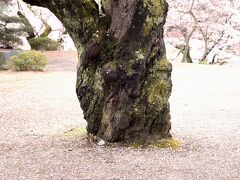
<point>124,78</point>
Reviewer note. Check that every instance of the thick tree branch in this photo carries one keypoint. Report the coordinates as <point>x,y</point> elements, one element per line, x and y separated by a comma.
<point>86,19</point>
<point>38,2</point>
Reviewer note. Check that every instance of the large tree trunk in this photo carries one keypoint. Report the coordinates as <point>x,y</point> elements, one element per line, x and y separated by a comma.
<point>124,78</point>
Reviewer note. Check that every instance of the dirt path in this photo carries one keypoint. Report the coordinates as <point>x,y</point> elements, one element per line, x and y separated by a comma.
<point>36,108</point>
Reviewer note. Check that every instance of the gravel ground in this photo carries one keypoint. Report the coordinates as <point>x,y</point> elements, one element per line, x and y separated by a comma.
<point>36,108</point>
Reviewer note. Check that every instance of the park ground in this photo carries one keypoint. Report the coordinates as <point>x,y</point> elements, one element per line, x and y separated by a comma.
<point>38,109</point>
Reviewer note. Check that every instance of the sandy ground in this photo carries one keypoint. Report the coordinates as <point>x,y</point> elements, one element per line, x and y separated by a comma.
<point>36,108</point>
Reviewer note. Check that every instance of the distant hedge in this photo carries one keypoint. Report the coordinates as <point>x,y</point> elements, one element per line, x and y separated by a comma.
<point>29,60</point>
<point>44,44</point>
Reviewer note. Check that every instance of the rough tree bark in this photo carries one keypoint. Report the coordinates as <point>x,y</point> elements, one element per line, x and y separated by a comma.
<point>124,78</point>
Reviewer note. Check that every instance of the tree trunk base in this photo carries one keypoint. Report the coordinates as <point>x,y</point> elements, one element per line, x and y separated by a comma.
<point>124,78</point>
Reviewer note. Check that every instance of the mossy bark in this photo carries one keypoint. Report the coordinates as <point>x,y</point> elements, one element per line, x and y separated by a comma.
<point>124,78</point>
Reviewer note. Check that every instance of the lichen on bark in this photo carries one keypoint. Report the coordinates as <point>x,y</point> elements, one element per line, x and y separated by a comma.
<point>124,78</point>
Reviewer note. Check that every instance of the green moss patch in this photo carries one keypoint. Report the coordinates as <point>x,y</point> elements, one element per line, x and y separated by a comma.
<point>163,143</point>
<point>135,145</point>
<point>75,132</point>
<point>156,7</point>
<point>167,143</point>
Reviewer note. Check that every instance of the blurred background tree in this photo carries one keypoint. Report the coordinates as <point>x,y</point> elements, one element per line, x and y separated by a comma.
<point>203,31</point>
<point>12,27</point>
